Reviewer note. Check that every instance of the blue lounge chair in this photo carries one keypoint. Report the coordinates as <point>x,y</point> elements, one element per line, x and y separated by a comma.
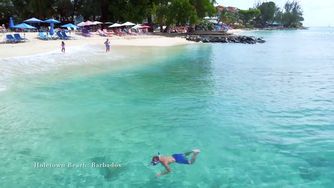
<point>59,34</point>
<point>53,37</point>
<point>85,32</point>
<point>10,39</point>
<point>42,36</point>
<point>64,34</point>
<point>18,37</point>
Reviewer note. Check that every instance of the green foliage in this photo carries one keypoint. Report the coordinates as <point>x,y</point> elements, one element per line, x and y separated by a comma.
<point>6,8</point>
<point>205,25</point>
<point>248,15</point>
<point>41,8</point>
<point>267,13</point>
<point>268,10</point>
<point>64,8</point>
<point>164,11</point>
<point>203,7</point>
<point>180,12</point>
<point>229,18</point>
<point>292,15</point>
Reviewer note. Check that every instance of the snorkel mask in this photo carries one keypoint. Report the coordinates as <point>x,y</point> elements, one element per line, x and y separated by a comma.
<point>155,160</point>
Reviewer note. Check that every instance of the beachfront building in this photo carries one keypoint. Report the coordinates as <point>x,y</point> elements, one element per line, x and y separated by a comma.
<point>220,9</point>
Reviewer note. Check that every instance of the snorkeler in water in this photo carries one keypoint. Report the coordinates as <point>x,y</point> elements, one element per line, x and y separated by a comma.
<point>180,158</point>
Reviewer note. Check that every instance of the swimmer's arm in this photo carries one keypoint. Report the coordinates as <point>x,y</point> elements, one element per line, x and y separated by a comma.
<point>168,170</point>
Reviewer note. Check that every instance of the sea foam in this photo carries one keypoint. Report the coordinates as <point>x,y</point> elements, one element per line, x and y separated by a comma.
<point>18,67</point>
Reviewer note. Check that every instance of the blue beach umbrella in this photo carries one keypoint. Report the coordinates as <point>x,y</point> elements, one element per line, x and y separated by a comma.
<point>52,25</point>
<point>33,20</point>
<point>11,22</point>
<point>52,22</point>
<point>23,26</point>
<point>69,25</point>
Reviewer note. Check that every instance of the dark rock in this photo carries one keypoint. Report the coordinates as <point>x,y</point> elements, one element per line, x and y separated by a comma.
<point>225,39</point>
<point>260,40</point>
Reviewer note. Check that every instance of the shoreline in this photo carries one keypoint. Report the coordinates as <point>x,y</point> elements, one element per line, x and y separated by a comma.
<point>35,46</point>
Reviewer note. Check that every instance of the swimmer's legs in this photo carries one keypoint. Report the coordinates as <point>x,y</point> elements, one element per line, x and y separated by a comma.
<point>188,153</point>
<point>195,152</point>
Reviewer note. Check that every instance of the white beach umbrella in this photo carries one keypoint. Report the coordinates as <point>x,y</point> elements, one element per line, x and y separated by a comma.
<point>136,26</point>
<point>86,23</point>
<point>116,25</point>
<point>81,24</point>
<point>128,24</point>
<point>33,20</point>
<point>89,23</point>
<point>97,23</point>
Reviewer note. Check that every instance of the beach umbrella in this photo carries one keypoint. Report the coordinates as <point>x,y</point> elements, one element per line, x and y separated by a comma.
<point>128,24</point>
<point>136,26</point>
<point>86,23</point>
<point>70,25</point>
<point>33,20</point>
<point>81,24</point>
<point>116,25</point>
<point>52,25</point>
<point>140,26</point>
<point>51,20</point>
<point>11,22</point>
<point>97,23</point>
<point>23,26</point>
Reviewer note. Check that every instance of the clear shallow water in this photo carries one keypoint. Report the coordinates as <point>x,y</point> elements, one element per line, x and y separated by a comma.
<point>263,115</point>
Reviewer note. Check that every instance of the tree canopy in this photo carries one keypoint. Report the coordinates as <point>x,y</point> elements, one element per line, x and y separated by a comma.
<point>164,11</point>
<point>248,15</point>
<point>266,14</point>
<point>229,17</point>
<point>268,11</point>
<point>292,15</point>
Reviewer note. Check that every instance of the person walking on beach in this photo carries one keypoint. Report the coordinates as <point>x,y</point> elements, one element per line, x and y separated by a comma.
<point>63,46</point>
<point>107,44</point>
<point>177,158</point>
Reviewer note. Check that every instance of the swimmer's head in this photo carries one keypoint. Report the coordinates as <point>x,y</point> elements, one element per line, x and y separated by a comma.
<point>155,160</point>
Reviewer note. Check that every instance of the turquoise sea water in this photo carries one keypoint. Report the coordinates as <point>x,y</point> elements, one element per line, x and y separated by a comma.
<point>262,115</point>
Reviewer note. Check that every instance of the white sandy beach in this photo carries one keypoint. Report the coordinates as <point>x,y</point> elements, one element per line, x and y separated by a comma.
<point>36,46</point>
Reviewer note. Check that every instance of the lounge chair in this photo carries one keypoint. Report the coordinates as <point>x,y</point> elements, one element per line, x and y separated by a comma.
<point>42,36</point>
<point>131,32</point>
<point>18,37</point>
<point>85,33</point>
<point>53,37</point>
<point>10,39</point>
<point>101,33</point>
<point>109,34</point>
<point>66,37</point>
<point>60,35</point>
<point>117,32</point>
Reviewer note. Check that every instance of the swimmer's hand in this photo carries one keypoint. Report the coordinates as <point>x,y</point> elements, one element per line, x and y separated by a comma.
<point>168,170</point>
<point>163,173</point>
